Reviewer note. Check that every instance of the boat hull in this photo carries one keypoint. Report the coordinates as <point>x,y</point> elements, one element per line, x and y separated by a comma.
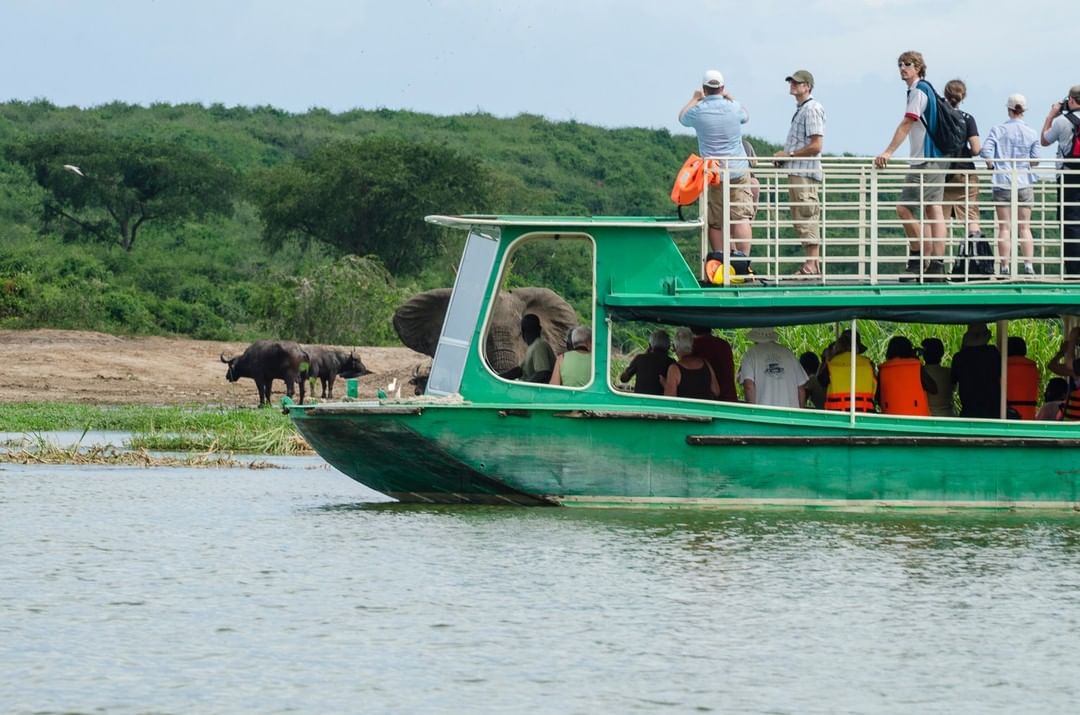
<point>718,457</point>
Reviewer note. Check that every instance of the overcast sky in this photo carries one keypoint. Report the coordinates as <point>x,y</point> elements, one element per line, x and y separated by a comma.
<point>606,62</point>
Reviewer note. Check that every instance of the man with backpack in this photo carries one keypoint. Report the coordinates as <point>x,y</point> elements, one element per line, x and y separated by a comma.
<point>1061,126</point>
<point>924,188</point>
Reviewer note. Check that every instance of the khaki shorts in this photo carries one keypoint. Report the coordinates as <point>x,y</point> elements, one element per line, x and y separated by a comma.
<point>805,208</point>
<point>740,198</point>
<point>961,198</point>
<point>922,189</point>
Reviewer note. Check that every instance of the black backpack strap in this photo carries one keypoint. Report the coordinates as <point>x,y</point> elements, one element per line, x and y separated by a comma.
<point>1073,120</point>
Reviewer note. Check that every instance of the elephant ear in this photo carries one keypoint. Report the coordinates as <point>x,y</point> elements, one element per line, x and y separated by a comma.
<point>557,317</point>
<point>419,320</point>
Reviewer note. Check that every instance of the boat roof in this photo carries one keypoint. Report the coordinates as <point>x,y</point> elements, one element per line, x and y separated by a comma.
<point>468,221</point>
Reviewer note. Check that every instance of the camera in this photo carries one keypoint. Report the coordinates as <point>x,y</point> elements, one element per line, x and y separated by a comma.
<point>1064,105</point>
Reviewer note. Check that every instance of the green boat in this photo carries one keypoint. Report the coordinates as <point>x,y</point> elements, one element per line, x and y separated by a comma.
<point>478,438</point>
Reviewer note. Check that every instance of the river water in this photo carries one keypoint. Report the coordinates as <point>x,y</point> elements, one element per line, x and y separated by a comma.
<point>128,590</point>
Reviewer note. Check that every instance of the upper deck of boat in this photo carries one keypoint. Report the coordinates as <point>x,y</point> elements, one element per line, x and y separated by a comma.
<point>864,249</point>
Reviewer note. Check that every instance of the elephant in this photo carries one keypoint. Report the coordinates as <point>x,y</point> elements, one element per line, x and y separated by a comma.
<point>419,320</point>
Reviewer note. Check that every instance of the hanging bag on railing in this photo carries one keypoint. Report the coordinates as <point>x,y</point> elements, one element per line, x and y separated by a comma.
<point>975,259</point>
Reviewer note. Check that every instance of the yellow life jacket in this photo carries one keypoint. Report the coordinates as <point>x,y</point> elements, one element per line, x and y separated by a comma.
<point>839,395</point>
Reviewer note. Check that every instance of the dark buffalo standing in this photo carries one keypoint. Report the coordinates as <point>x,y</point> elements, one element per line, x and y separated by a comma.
<point>265,361</point>
<point>327,364</point>
<point>420,375</point>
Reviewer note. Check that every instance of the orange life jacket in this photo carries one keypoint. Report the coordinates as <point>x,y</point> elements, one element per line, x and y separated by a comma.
<point>839,395</point>
<point>1022,393</point>
<point>690,181</point>
<point>1071,409</point>
<point>902,392</point>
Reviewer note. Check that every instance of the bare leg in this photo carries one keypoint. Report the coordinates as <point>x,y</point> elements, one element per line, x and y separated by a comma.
<point>1004,237</point>
<point>912,229</point>
<point>935,217</point>
<point>741,233</point>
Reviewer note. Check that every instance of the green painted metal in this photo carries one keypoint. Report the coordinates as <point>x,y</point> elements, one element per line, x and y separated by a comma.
<point>517,443</point>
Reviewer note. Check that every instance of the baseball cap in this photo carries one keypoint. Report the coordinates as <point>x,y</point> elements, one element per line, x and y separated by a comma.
<point>712,78</point>
<point>1016,102</point>
<point>800,76</point>
<point>1074,92</point>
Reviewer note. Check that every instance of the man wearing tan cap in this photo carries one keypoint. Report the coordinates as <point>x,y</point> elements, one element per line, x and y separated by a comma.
<point>802,152</point>
<point>1013,140</point>
<point>717,119</point>
<point>1060,125</point>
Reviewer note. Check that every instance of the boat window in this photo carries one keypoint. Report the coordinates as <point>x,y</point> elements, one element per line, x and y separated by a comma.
<point>549,276</point>
<point>465,304</point>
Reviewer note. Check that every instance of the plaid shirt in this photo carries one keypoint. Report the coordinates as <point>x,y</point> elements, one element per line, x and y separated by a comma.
<point>808,120</point>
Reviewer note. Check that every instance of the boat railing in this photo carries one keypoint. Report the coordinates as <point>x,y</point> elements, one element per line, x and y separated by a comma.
<point>864,240</point>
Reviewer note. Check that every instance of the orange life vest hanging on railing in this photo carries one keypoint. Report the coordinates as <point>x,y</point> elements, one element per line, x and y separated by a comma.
<point>902,392</point>
<point>839,392</point>
<point>690,181</point>
<point>1022,392</point>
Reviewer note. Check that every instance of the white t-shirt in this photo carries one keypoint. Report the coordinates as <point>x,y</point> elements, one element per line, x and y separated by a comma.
<point>916,107</point>
<point>776,374</point>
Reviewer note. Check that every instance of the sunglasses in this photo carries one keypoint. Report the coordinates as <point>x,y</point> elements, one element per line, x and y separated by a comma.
<point>905,64</point>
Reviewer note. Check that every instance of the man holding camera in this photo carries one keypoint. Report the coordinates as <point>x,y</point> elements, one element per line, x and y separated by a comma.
<point>1060,125</point>
<point>717,119</point>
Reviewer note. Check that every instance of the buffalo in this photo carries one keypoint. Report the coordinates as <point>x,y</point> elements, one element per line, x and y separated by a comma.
<point>420,375</point>
<point>327,364</point>
<point>267,360</point>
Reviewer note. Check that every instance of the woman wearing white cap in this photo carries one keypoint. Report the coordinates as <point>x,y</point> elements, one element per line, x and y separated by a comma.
<point>1017,141</point>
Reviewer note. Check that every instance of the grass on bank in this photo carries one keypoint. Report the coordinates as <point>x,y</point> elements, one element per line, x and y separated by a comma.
<point>172,428</point>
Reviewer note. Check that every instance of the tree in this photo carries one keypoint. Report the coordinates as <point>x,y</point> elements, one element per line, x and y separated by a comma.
<point>108,188</point>
<point>370,197</point>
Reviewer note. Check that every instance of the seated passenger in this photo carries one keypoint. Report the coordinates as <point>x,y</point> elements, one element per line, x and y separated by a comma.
<point>717,352</point>
<point>1064,364</point>
<point>651,366</point>
<point>539,358</point>
<point>815,393</point>
<point>976,370</point>
<point>770,374</point>
<point>836,377</point>
<point>941,402</point>
<point>690,376</point>
<point>1022,390</point>
<point>903,382</point>
<point>574,367</point>
<point>1053,399</point>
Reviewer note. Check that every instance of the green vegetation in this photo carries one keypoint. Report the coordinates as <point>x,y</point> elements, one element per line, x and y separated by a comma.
<point>235,223</point>
<point>182,429</point>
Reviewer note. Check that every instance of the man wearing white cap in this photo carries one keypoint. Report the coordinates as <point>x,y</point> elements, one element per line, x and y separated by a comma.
<point>770,374</point>
<point>803,148</point>
<point>1017,141</point>
<point>1060,126</point>
<point>717,119</point>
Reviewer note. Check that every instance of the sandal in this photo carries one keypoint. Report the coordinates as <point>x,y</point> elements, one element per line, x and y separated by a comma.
<point>805,272</point>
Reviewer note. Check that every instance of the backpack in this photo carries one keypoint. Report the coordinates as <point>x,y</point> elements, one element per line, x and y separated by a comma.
<point>975,258</point>
<point>950,132</point>
<point>1074,145</point>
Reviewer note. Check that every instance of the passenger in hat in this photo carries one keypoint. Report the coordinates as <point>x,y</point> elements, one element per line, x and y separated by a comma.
<point>1009,150</point>
<point>976,370</point>
<point>770,374</point>
<point>717,119</point>
<point>574,367</point>
<point>801,159</point>
<point>690,375</point>
<point>1058,127</point>
<point>650,367</point>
